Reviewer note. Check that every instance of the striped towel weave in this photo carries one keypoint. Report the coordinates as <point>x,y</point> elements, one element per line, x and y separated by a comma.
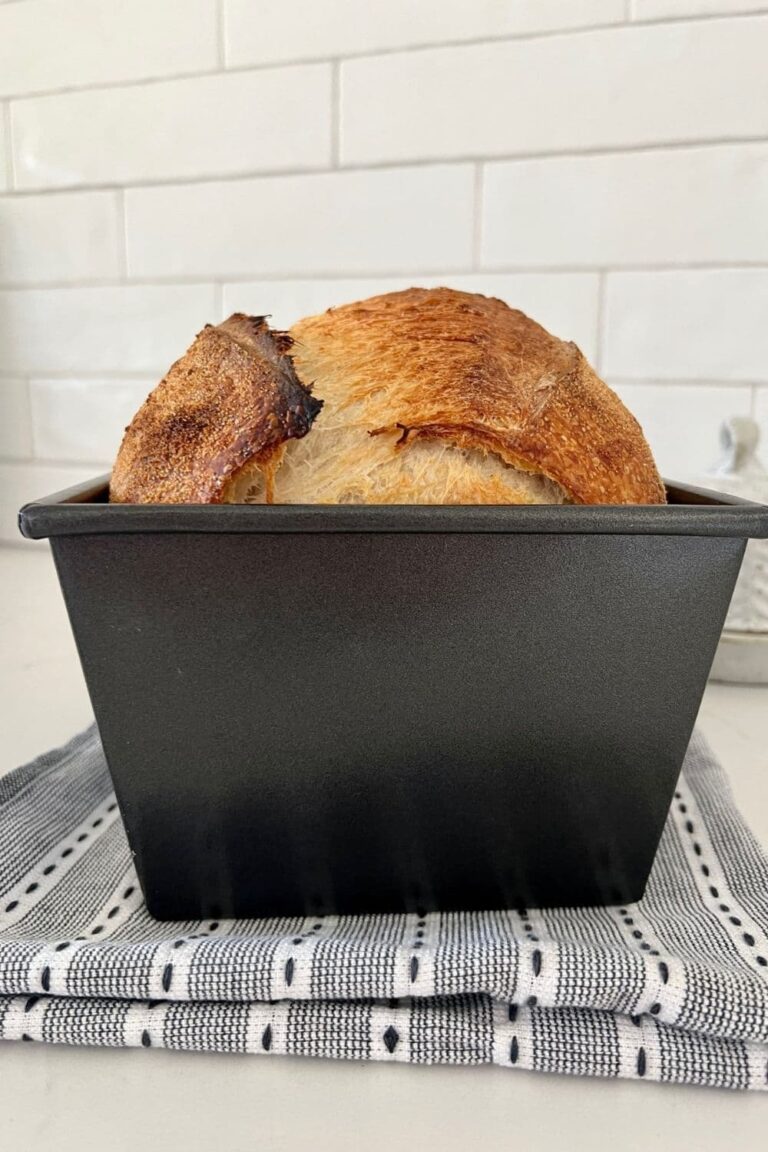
<point>673,988</point>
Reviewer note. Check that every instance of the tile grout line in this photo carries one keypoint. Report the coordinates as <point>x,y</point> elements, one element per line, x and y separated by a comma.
<point>29,413</point>
<point>103,376</point>
<point>33,432</point>
<point>122,235</point>
<point>63,462</point>
<point>683,382</point>
<point>600,333</point>
<point>331,275</point>
<point>335,157</point>
<point>477,218</point>
<point>221,35</point>
<point>16,462</point>
<point>695,17</point>
<point>618,25</point>
<point>398,164</point>
<point>9,162</point>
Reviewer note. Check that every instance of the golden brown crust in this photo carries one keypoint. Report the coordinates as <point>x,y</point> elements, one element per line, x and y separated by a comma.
<point>232,400</point>
<point>437,363</point>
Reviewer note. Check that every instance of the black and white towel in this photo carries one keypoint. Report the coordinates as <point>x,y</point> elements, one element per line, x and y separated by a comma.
<point>674,988</point>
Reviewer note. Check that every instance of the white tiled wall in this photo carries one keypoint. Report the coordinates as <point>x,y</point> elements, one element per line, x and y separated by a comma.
<point>602,164</point>
<point>227,124</point>
<point>47,45</point>
<point>69,236</point>
<point>652,207</point>
<point>390,219</point>
<point>610,88</point>
<point>303,30</point>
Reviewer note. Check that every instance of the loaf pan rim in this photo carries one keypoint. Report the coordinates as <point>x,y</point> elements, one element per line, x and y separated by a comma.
<point>81,510</point>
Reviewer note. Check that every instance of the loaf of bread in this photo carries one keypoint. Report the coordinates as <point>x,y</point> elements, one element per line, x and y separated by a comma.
<point>429,396</point>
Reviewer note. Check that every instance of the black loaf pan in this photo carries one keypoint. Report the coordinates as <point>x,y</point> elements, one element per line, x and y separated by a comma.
<point>369,709</point>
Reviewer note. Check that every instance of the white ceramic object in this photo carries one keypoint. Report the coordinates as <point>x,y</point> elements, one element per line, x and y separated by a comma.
<point>742,655</point>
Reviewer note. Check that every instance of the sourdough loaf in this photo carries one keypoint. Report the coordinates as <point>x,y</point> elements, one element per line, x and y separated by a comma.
<point>429,396</point>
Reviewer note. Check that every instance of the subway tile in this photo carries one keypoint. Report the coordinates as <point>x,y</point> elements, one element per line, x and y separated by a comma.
<point>659,9</point>
<point>636,208</point>
<point>206,126</point>
<point>121,329</point>
<point>84,419</point>
<point>687,325</point>
<point>566,304</point>
<point>682,422</point>
<point>64,236</point>
<point>5,175</point>
<point>394,220</point>
<point>15,424</point>
<point>627,86</point>
<point>50,44</point>
<point>22,482</point>
<point>306,29</point>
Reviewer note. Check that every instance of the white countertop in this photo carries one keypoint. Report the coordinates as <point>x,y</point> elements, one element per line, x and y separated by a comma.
<point>69,1098</point>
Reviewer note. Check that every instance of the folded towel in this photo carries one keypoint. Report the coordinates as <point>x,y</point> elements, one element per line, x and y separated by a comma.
<point>673,988</point>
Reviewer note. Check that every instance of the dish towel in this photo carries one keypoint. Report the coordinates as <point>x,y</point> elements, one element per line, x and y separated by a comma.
<point>673,988</point>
